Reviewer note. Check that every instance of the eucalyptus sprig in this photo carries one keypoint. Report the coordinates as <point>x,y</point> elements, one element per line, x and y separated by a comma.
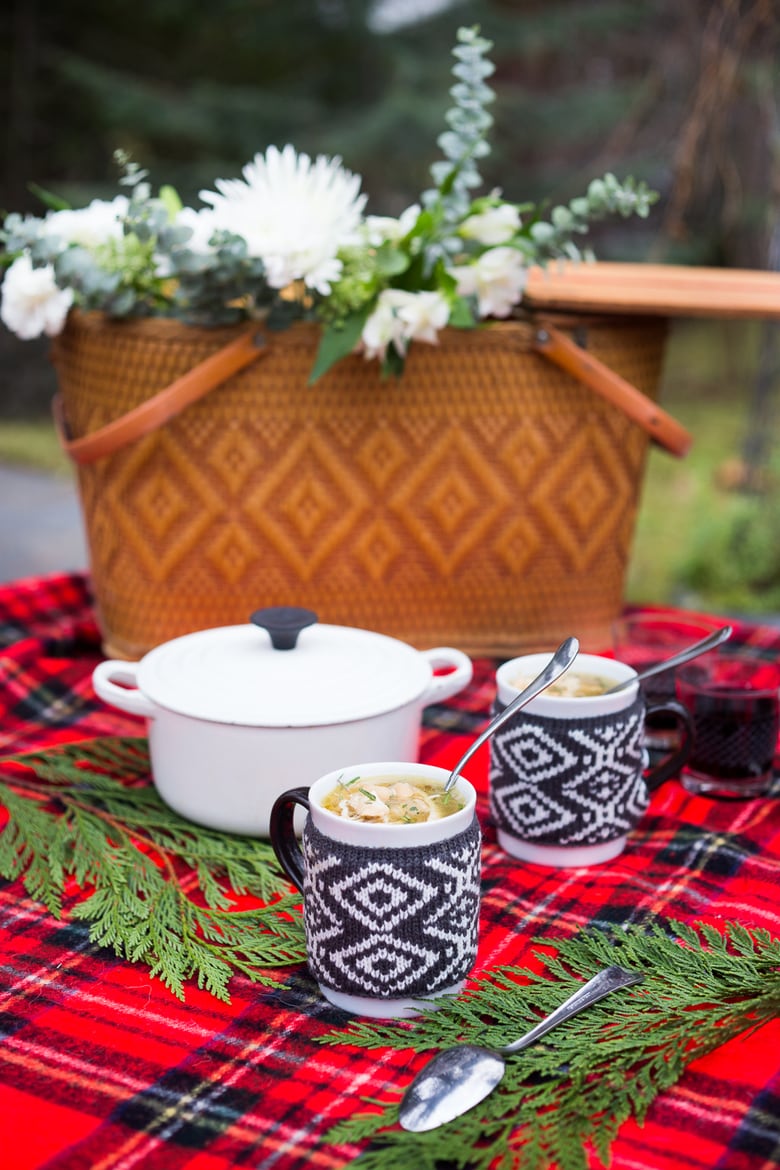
<point>469,121</point>
<point>155,888</point>
<point>565,1097</point>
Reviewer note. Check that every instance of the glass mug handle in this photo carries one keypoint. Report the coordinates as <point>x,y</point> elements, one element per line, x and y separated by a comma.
<point>282,833</point>
<point>674,762</point>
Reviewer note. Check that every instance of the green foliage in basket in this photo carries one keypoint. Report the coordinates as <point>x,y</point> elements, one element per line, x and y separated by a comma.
<point>290,240</point>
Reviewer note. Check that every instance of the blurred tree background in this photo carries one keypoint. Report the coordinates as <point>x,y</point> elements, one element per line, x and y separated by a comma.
<point>683,95</point>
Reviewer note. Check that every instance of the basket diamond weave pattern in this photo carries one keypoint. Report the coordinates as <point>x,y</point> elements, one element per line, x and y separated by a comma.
<point>486,499</point>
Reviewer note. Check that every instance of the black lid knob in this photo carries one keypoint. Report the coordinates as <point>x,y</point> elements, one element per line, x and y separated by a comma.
<point>284,623</point>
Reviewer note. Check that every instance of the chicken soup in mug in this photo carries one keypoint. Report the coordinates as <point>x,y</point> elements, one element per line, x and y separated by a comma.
<point>572,685</point>
<point>391,800</point>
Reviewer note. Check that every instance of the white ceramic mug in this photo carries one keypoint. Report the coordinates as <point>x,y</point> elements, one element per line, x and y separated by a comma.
<point>568,775</point>
<point>391,911</point>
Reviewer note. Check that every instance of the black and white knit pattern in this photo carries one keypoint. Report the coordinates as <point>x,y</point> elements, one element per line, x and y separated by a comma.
<point>391,923</point>
<point>569,781</point>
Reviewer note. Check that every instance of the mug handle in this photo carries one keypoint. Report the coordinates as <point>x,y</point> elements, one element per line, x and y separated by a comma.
<point>673,763</point>
<point>282,833</point>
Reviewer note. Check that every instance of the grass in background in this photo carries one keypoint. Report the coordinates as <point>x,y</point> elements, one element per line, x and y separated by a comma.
<point>678,495</point>
<point>688,546</point>
<point>33,444</point>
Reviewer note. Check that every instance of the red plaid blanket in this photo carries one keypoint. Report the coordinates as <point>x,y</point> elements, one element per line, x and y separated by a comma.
<point>100,1066</point>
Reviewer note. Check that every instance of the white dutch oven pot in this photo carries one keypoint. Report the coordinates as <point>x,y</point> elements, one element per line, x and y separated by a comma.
<point>239,714</point>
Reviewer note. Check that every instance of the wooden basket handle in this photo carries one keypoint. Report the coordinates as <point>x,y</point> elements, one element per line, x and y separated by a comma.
<point>662,428</point>
<point>156,411</point>
<point>248,347</point>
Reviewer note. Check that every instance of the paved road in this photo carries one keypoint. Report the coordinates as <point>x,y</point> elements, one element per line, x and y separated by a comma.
<point>41,530</point>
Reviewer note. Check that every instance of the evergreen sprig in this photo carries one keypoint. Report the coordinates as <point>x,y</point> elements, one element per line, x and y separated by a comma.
<point>569,1095</point>
<point>158,890</point>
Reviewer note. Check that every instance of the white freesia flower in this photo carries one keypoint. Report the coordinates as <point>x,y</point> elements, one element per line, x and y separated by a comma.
<point>294,214</point>
<point>381,228</point>
<point>31,302</point>
<point>497,279</point>
<point>383,328</point>
<point>491,227</point>
<point>401,317</point>
<point>89,226</point>
<point>423,314</point>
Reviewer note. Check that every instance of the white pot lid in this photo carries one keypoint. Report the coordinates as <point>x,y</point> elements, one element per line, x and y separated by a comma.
<point>241,675</point>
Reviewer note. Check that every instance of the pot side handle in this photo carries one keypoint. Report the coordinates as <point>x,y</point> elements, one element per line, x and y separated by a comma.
<point>106,678</point>
<point>444,686</point>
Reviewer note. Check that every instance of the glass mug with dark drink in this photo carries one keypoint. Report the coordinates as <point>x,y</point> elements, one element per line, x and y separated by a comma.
<point>734,702</point>
<point>644,639</point>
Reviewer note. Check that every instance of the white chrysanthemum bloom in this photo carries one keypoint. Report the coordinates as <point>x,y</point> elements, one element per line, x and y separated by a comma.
<point>494,226</point>
<point>497,279</point>
<point>89,226</point>
<point>382,228</point>
<point>401,317</point>
<point>31,303</point>
<point>294,214</point>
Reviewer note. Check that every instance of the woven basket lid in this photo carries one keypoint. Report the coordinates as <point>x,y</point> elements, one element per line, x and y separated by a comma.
<point>666,290</point>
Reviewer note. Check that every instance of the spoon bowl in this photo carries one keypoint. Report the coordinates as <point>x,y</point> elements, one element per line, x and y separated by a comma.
<point>458,1078</point>
<point>560,662</point>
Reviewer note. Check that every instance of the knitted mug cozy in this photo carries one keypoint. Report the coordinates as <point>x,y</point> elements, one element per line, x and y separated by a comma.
<point>387,922</point>
<point>569,781</point>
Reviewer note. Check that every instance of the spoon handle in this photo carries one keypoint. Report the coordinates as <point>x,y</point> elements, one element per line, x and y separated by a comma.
<point>560,661</point>
<point>610,979</point>
<point>693,651</point>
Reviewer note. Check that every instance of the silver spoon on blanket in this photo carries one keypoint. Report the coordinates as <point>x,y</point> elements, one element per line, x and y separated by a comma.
<point>692,651</point>
<point>560,662</point>
<point>458,1078</point>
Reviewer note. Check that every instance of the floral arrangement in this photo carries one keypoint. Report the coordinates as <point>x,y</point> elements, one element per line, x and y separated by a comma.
<point>290,240</point>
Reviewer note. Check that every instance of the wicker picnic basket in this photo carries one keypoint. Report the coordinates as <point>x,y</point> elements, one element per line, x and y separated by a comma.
<point>485,500</point>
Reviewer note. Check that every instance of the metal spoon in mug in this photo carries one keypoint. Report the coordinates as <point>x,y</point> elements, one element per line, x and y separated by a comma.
<point>560,661</point>
<point>458,1078</point>
<point>692,651</point>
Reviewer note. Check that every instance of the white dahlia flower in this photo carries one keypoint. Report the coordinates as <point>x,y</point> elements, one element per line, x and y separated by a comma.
<point>294,214</point>
<point>30,301</point>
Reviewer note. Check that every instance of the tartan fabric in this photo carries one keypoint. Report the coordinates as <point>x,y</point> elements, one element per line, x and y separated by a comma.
<point>101,1067</point>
